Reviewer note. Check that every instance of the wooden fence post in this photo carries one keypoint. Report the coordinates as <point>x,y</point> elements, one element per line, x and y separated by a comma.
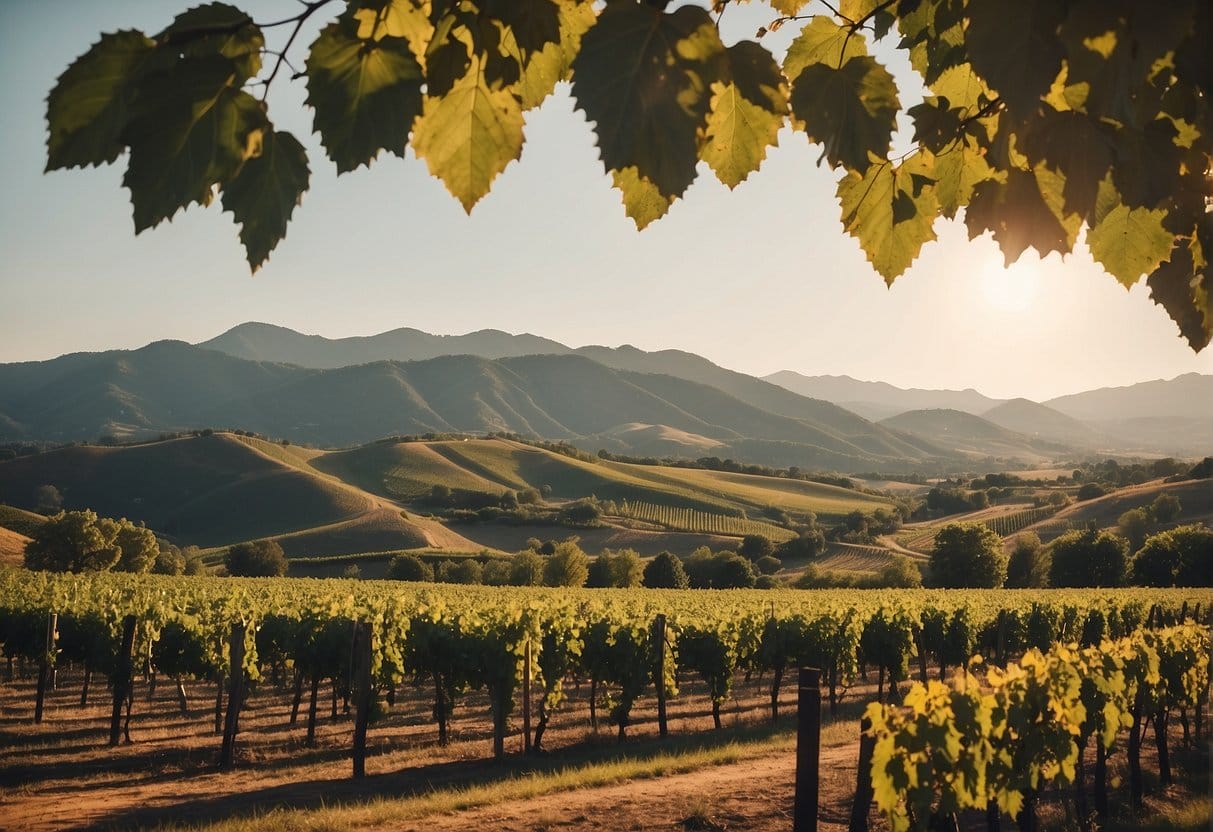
<point>863,779</point>
<point>808,748</point>
<point>235,698</point>
<point>362,694</point>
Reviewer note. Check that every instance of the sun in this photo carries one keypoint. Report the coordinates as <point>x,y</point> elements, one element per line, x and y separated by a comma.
<point>1010,290</point>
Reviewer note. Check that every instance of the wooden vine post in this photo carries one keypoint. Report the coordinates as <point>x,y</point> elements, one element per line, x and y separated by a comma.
<point>659,672</point>
<point>526,699</point>
<point>363,693</point>
<point>46,665</point>
<point>863,780</point>
<point>122,677</point>
<point>808,749</point>
<point>235,698</point>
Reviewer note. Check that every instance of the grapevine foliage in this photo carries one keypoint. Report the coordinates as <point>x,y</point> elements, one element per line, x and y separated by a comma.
<point>1040,117</point>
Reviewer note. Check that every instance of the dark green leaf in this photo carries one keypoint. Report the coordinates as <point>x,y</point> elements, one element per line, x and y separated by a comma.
<point>264,194</point>
<point>193,130</point>
<point>1016,49</point>
<point>366,94</point>
<point>1075,146</point>
<point>852,111</point>
<point>217,29</point>
<point>644,78</point>
<point>1017,214</point>
<point>89,106</point>
<point>1182,286</point>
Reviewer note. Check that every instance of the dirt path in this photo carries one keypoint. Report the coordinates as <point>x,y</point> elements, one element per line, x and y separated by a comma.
<point>754,795</point>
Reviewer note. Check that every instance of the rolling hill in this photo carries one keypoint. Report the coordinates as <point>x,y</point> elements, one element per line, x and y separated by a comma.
<point>880,400</point>
<point>971,434</point>
<point>212,491</point>
<point>1043,422</point>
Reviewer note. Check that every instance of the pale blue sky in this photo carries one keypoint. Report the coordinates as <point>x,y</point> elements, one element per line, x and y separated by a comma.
<point>757,280</point>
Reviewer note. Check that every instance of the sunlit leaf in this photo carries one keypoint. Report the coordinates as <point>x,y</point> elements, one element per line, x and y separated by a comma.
<point>746,113</point>
<point>891,210</point>
<point>1017,214</point>
<point>217,29</point>
<point>822,41</point>
<point>469,135</point>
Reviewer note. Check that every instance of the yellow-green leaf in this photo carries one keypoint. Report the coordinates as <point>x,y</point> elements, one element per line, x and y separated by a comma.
<point>1130,242</point>
<point>958,170</point>
<point>469,135</point>
<point>822,41</point>
<point>746,114</point>
<point>891,211</point>
<point>642,200</point>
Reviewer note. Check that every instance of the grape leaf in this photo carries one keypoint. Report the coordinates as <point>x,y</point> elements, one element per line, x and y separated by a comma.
<point>90,103</point>
<point>642,200</point>
<point>542,69</point>
<point>533,24</point>
<point>469,135</point>
<point>852,111</point>
<point>366,94</point>
<point>644,78</point>
<point>791,8</point>
<point>958,170</point>
<point>193,130</point>
<point>1017,214</point>
<point>1182,286</point>
<point>1128,242</point>
<point>891,211</point>
<point>1018,54</point>
<point>822,41</point>
<point>217,28</point>
<point>408,19</point>
<point>264,194</point>
<point>1052,187</point>
<point>746,113</point>
<point>1075,146</point>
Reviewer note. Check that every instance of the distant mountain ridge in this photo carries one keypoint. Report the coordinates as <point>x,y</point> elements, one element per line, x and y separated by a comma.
<point>172,386</point>
<point>337,392</point>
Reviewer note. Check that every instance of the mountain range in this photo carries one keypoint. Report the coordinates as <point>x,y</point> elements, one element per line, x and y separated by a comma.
<point>340,392</point>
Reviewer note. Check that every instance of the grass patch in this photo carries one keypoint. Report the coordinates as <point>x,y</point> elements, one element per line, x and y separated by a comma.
<point>522,779</point>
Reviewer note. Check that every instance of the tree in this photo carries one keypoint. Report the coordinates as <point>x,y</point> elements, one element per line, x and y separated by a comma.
<point>194,564</point>
<point>718,570</point>
<point>1038,120</point>
<point>1089,558</point>
<point>768,565</point>
<point>755,546</point>
<point>256,559</point>
<point>567,566</point>
<point>48,500</point>
<point>526,568</point>
<point>1028,566</point>
<point>808,544</point>
<point>408,567</point>
<point>462,571</point>
<point>620,569</point>
<point>665,572</point>
<point>73,541</point>
<point>1180,557</point>
<point>967,555</point>
<point>1090,491</point>
<point>170,560</point>
<point>138,546</point>
<point>1135,524</point>
<point>1165,508</point>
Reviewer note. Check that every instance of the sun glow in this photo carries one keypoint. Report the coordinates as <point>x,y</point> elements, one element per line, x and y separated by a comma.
<point>1010,290</point>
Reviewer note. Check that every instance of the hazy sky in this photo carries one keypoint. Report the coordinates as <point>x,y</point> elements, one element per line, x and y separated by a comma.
<point>758,280</point>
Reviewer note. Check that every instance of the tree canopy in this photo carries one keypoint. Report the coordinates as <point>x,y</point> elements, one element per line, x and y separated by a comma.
<point>1040,118</point>
<point>967,555</point>
<point>80,541</point>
